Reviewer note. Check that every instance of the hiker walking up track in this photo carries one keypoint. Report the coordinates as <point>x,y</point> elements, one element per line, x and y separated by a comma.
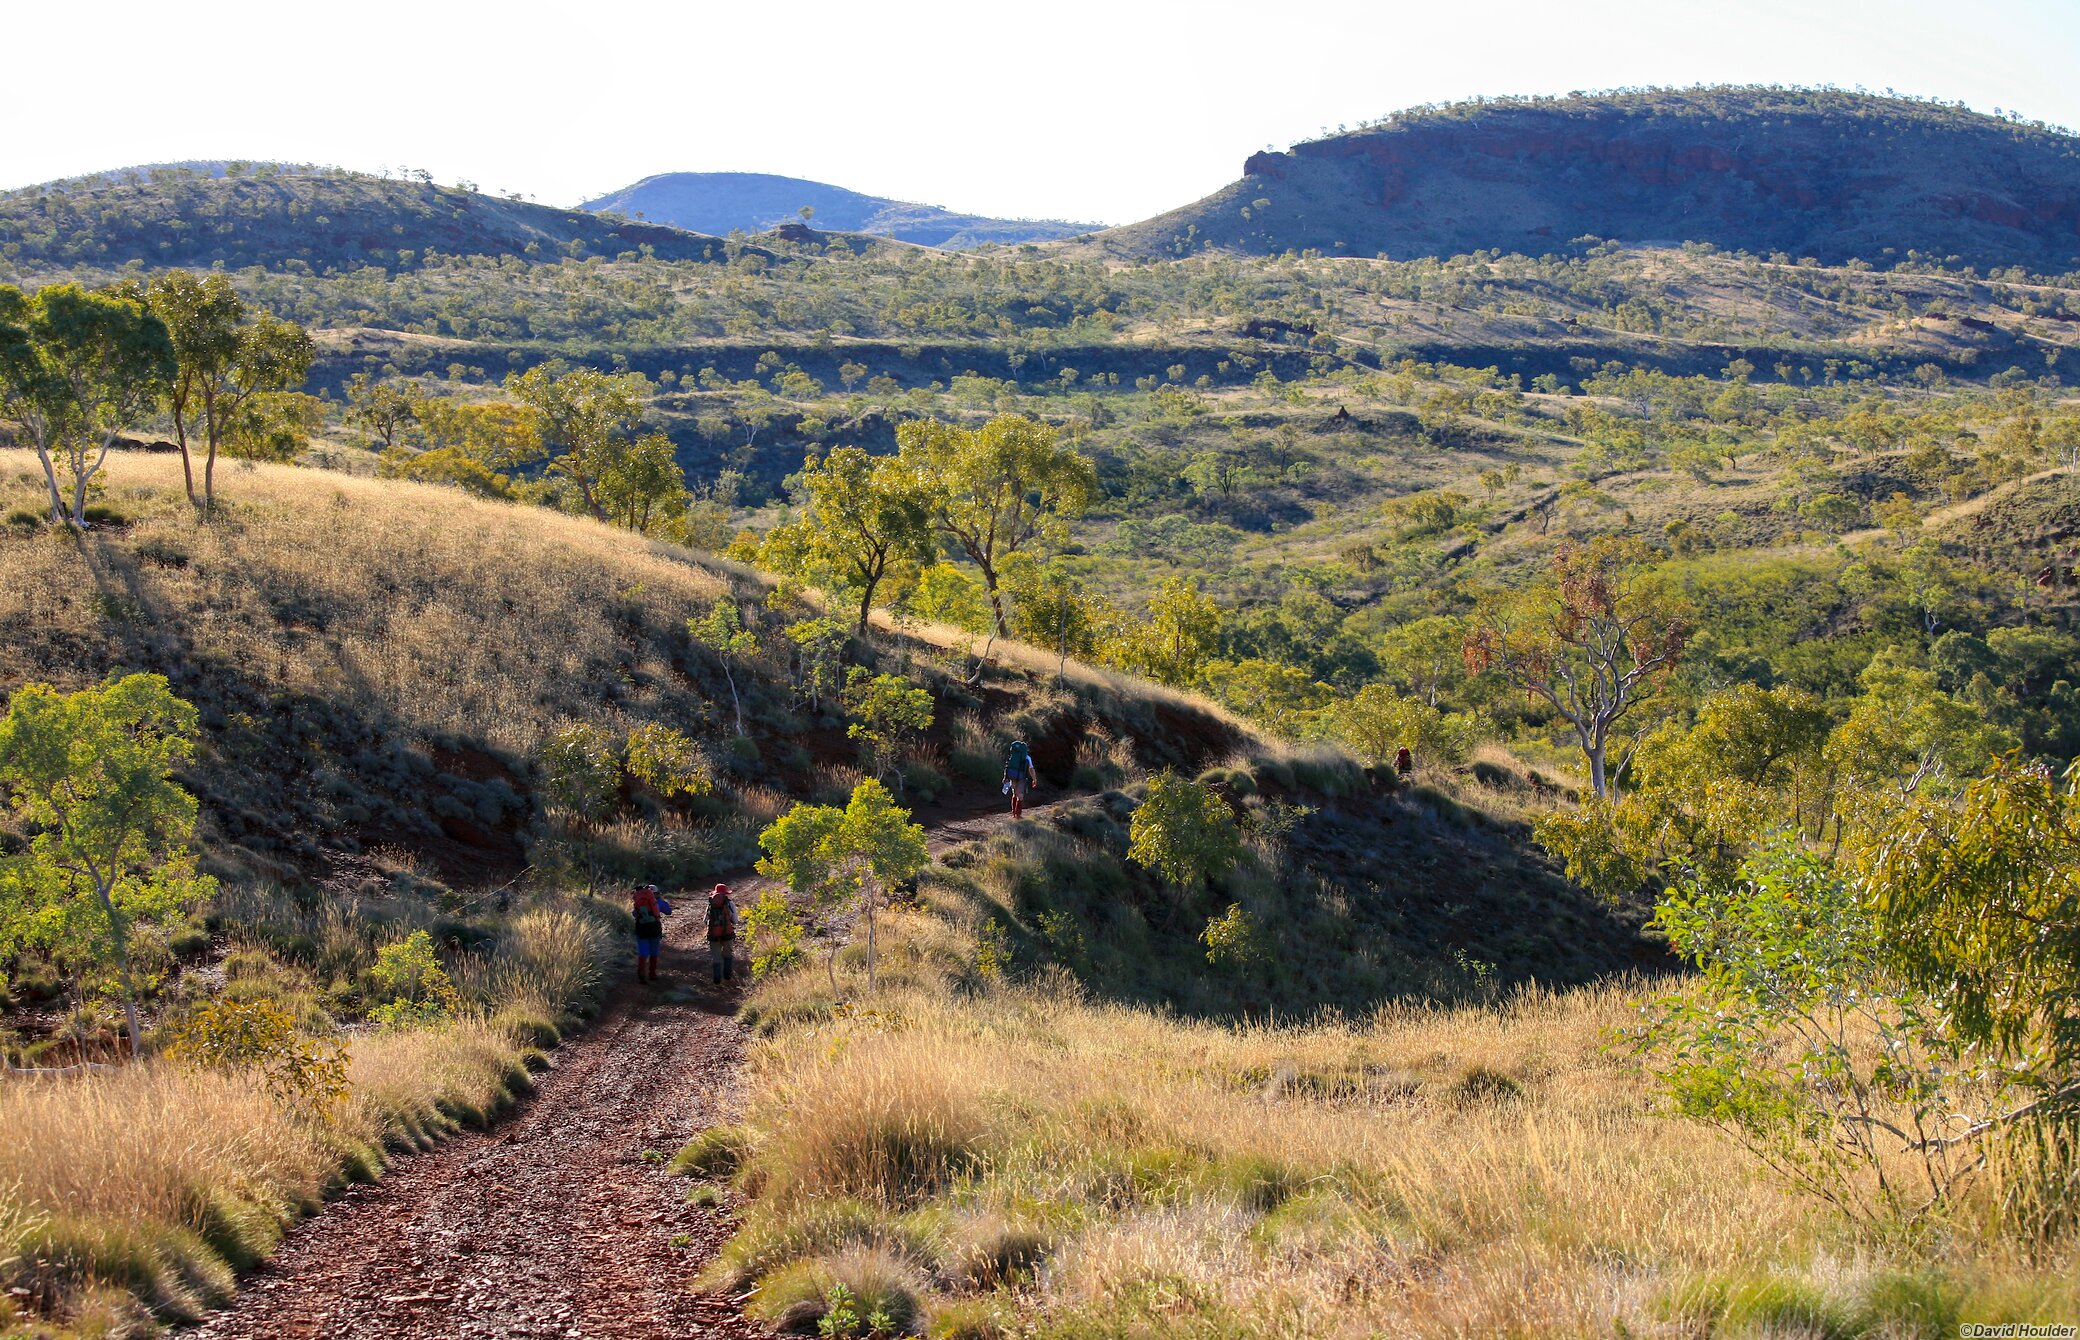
<point>1020,777</point>
<point>722,932</point>
<point>649,910</point>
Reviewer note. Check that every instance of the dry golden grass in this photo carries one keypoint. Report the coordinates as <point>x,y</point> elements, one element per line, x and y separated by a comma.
<point>1082,676</point>
<point>1461,1172</point>
<point>142,1143</point>
<point>160,1180</point>
<point>419,605</point>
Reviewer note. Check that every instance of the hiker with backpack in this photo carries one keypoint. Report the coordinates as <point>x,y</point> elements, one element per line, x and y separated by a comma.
<point>722,932</point>
<point>649,909</point>
<point>1020,776</point>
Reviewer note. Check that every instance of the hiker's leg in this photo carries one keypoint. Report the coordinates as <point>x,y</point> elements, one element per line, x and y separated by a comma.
<point>729,960</point>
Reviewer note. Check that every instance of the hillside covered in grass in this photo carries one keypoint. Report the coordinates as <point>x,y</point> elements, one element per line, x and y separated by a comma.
<point>299,218</point>
<point>381,666</point>
<point>384,672</point>
<point>1801,172</point>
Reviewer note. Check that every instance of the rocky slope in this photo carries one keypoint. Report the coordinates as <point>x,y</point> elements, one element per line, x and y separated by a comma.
<point>1804,172</point>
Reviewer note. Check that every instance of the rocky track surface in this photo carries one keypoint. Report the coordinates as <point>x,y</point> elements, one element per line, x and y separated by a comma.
<point>562,1220</point>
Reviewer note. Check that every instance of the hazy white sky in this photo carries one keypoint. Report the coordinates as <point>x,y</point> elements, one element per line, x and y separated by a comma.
<point>1105,112</point>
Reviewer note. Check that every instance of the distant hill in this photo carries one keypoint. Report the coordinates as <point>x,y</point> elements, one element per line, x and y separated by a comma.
<point>1818,173</point>
<point>717,202</point>
<point>269,214</point>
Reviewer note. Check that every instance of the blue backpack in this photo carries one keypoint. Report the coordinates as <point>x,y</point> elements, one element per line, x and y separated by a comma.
<point>1020,763</point>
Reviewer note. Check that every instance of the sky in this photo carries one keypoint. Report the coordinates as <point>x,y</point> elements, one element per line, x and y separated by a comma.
<point>1099,112</point>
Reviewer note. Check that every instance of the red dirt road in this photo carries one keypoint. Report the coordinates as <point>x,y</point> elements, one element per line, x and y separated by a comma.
<point>552,1224</point>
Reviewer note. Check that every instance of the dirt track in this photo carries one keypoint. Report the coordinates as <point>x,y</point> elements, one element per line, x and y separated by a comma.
<point>554,1223</point>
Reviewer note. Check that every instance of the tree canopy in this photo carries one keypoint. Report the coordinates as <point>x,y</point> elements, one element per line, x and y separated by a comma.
<point>78,368</point>
<point>91,774</point>
<point>997,489</point>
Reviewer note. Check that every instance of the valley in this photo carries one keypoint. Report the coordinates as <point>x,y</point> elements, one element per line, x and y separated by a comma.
<point>1544,647</point>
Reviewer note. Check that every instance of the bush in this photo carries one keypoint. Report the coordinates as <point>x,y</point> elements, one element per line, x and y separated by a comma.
<point>1233,939</point>
<point>258,1037</point>
<point>772,933</point>
<point>416,987</point>
<point>581,771</point>
<point>667,762</point>
<point>1183,832</point>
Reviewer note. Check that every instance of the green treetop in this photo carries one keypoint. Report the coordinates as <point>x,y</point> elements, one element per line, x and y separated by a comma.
<point>846,858</point>
<point>998,489</point>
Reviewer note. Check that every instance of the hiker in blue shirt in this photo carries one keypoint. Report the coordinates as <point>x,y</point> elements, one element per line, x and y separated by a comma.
<point>1020,776</point>
<point>649,910</point>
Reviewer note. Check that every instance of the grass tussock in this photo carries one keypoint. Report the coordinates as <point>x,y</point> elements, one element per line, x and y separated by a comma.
<point>136,1193</point>
<point>162,1181</point>
<point>1100,1169</point>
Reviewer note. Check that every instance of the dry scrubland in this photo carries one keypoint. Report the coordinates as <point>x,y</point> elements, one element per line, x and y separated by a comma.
<point>346,588</point>
<point>982,1156</point>
<point>135,1194</point>
<point>996,1159</point>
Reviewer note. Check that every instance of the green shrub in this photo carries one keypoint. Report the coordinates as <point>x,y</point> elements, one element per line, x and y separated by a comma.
<point>876,1288</point>
<point>414,986</point>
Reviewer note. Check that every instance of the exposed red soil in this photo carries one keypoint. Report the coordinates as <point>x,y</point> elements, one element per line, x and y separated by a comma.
<point>559,1222</point>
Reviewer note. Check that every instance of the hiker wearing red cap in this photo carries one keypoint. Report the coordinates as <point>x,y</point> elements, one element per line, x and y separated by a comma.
<point>649,909</point>
<point>722,932</point>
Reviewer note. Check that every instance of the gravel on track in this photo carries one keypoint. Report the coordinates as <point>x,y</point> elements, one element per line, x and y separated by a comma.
<point>560,1221</point>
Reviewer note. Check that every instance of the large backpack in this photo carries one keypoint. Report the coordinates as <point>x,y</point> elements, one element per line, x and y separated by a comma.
<point>1019,763</point>
<point>719,927</point>
<point>649,925</point>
